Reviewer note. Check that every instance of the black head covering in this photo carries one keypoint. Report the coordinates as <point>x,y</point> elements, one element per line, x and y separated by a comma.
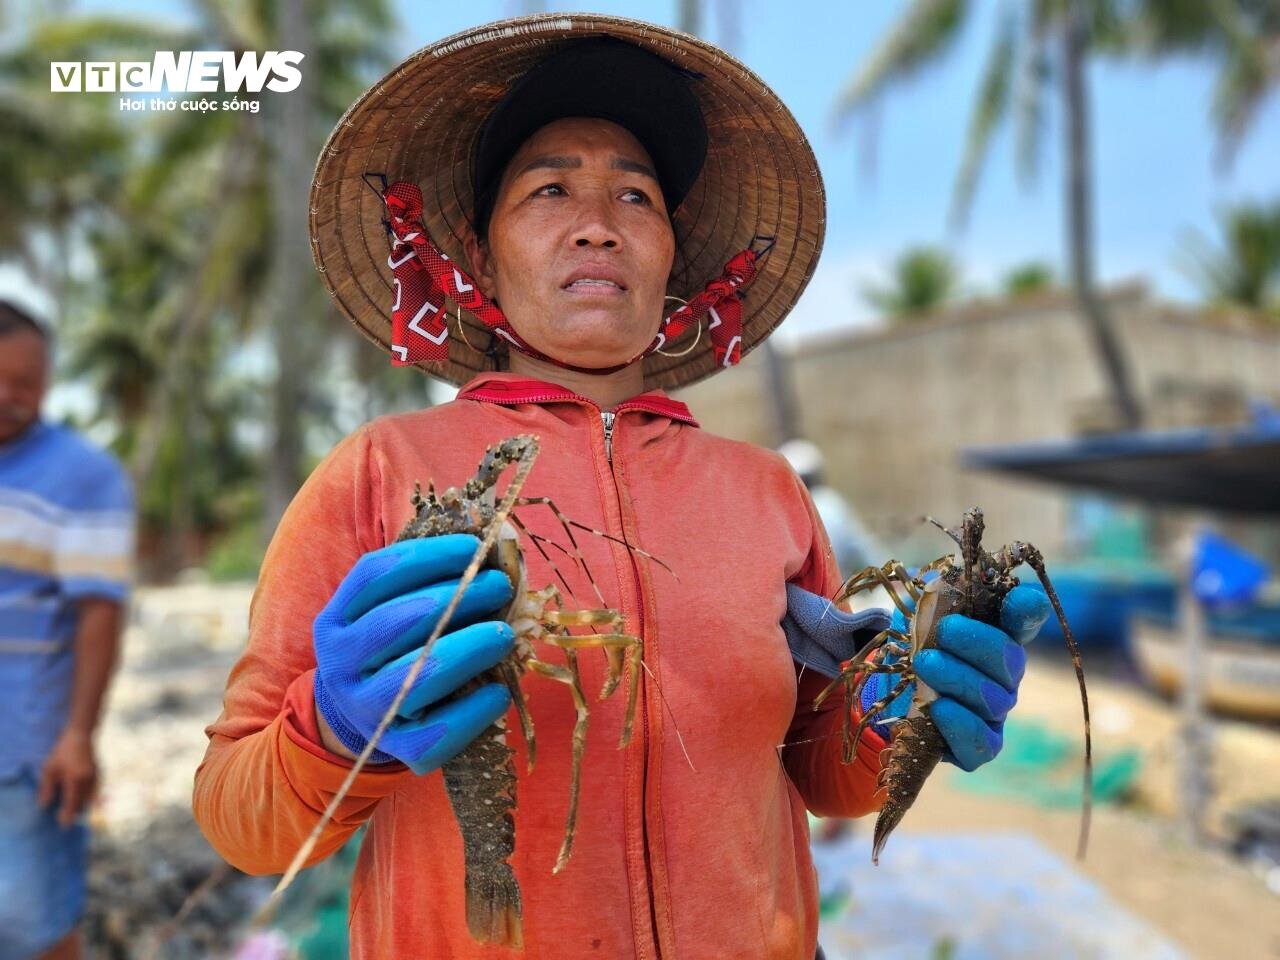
<point>597,77</point>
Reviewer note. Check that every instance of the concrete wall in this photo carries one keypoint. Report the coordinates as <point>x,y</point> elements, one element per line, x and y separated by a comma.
<point>892,408</point>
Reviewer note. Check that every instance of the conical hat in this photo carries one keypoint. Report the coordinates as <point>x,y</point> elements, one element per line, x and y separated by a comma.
<point>420,123</point>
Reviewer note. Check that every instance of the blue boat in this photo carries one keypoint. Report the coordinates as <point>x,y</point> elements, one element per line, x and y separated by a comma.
<point>1100,599</point>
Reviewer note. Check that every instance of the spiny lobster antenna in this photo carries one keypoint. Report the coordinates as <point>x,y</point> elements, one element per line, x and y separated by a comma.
<point>953,534</point>
<point>971,529</point>
<point>1033,558</point>
<point>487,542</point>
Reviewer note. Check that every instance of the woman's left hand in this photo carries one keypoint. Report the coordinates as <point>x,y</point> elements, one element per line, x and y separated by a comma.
<point>975,670</point>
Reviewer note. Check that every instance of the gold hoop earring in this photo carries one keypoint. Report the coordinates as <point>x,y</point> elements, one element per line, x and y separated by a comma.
<point>697,335</point>
<point>462,330</point>
<point>491,351</point>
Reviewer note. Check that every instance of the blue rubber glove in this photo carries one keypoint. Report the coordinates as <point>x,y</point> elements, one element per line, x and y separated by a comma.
<point>372,629</point>
<point>975,669</point>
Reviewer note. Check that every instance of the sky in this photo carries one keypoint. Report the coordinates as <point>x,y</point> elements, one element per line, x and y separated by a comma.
<point>1155,175</point>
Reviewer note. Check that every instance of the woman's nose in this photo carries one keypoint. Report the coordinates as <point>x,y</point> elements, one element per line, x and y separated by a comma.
<point>596,227</point>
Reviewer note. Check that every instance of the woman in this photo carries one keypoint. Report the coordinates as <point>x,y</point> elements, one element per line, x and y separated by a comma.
<point>576,170</point>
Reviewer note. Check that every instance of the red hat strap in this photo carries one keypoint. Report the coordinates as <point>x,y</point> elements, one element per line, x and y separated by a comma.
<point>721,301</point>
<point>424,276</point>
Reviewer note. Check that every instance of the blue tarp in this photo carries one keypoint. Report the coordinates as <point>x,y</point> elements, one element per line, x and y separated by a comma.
<point>1222,574</point>
<point>973,897</point>
<point>1231,470</point>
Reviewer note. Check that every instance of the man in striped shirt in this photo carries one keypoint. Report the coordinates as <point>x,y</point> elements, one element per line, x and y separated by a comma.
<point>66,548</point>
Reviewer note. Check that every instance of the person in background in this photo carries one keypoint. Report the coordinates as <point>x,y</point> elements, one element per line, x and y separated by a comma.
<point>855,546</point>
<point>66,549</point>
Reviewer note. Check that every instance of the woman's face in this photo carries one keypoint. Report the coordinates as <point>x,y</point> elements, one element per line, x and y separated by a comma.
<point>580,246</point>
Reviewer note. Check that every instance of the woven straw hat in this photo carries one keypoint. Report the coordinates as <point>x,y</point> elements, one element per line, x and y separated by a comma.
<point>420,123</point>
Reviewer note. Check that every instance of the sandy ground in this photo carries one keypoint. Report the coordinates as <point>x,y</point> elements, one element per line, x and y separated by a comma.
<point>179,648</point>
<point>148,854</point>
<point>184,639</point>
<point>1203,900</point>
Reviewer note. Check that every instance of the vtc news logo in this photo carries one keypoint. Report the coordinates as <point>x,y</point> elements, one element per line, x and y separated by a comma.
<point>189,71</point>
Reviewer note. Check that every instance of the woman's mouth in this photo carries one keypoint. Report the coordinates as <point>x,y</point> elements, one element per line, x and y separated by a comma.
<point>592,286</point>
<point>595,280</point>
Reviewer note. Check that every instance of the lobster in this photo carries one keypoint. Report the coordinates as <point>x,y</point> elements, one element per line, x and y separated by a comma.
<point>975,585</point>
<point>481,780</point>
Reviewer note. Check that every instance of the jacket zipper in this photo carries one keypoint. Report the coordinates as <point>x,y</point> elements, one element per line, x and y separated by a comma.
<point>609,420</point>
<point>608,417</point>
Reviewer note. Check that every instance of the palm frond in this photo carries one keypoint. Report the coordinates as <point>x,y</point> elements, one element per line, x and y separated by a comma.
<point>1244,270</point>
<point>1250,72</point>
<point>1032,79</point>
<point>990,107</point>
<point>105,37</point>
<point>920,35</point>
<point>1249,68</point>
<point>1241,36</point>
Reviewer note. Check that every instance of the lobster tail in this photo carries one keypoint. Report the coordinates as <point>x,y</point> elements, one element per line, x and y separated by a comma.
<point>916,749</point>
<point>493,906</point>
<point>481,786</point>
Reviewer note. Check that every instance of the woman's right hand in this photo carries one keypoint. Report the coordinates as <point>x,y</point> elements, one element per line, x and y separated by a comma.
<point>371,631</point>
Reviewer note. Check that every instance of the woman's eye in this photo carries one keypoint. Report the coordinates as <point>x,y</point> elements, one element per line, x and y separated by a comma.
<point>635,196</point>
<point>550,190</point>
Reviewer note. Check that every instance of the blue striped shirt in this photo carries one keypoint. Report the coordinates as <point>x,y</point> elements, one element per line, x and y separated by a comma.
<point>66,533</point>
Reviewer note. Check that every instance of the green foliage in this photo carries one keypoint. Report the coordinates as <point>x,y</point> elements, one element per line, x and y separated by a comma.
<point>62,159</point>
<point>152,233</point>
<point>927,30</point>
<point>1240,36</point>
<point>236,555</point>
<point>922,278</point>
<point>1027,278</point>
<point>1244,270</point>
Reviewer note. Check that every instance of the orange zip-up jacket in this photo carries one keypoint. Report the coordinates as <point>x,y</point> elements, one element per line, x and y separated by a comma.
<point>675,857</point>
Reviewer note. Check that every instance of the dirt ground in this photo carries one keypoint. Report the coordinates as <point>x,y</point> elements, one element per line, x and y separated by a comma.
<point>1205,901</point>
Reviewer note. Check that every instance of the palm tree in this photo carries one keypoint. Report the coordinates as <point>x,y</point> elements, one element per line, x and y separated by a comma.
<point>1044,43</point>
<point>193,250</point>
<point>344,44</point>
<point>62,158</point>
<point>785,415</point>
<point>293,287</point>
<point>922,279</point>
<point>689,18</point>
<point>1245,270</point>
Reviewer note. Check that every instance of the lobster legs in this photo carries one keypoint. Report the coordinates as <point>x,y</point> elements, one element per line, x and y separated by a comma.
<point>553,624</point>
<point>869,661</point>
